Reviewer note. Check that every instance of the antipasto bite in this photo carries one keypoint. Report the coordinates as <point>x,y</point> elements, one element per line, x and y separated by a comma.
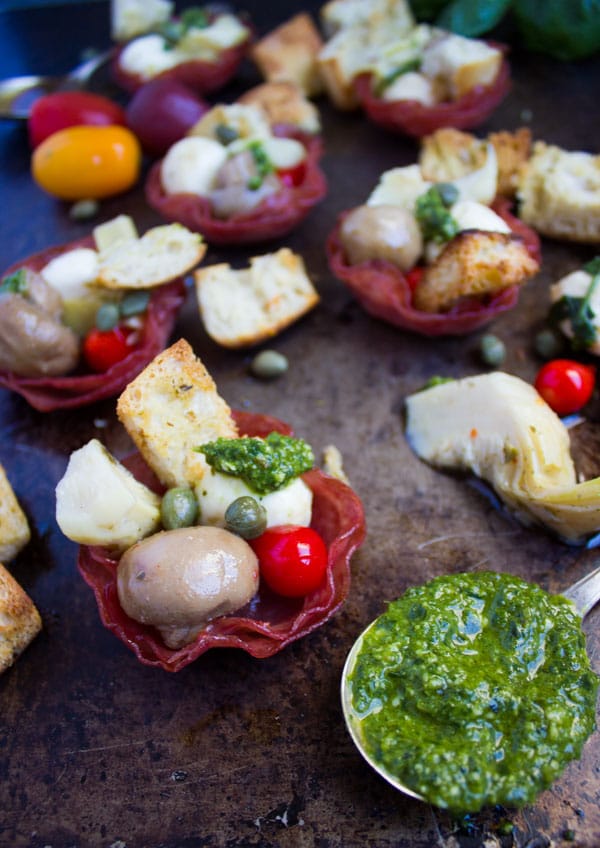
<point>238,178</point>
<point>408,77</point>
<point>201,47</point>
<point>435,248</point>
<point>20,620</point>
<point>78,322</point>
<point>500,428</point>
<point>195,542</point>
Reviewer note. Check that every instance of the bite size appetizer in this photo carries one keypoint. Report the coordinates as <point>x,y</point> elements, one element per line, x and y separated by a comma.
<point>19,617</point>
<point>408,78</point>
<point>236,178</point>
<point>219,533</point>
<point>201,47</point>
<point>435,248</point>
<point>79,321</point>
<point>500,428</point>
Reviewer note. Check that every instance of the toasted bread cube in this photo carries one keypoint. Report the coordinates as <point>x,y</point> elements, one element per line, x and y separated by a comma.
<point>14,527</point>
<point>171,408</point>
<point>344,14</point>
<point>461,63</point>
<point>473,264</point>
<point>245,307</point>
<point>289,54</point>
<point>20,621</point>
<point>559,193</point>
<point>448,154</point>
<point>512,151</point>
<point>160,255</point>
<point>284,103</point>
<point>340,60</point>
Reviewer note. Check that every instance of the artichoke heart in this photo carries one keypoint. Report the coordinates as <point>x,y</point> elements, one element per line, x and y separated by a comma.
<point>498,427</point>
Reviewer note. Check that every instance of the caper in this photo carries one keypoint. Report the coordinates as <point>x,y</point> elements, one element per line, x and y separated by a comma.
<point>107,316</point>
<point>246,517</point>
<point>134,303</point>
<point>548,343</point>
<point>83,210</point>
<point>178,508</point>
<point>226,134</point>
<point>448,193</point>
<point>492,350</point>
<point>269,364</point>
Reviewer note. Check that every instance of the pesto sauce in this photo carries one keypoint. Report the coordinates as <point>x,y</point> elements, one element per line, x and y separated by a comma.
<point>475,689</point>
<point>265,465</point>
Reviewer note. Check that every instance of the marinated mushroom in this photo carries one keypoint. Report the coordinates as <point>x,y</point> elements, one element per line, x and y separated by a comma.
<point>239,186</point>
<point>32,342</point>
<point>382,232</point>
<point>178,580</point>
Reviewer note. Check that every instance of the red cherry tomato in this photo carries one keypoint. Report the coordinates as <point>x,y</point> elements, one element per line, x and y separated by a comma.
<point>413,277</point>
<point>293,560</point>
<point>293,176</point>
<point>63,109</point>
<point>161,112</point>
<point>565,385</point>
<point>104,348</point>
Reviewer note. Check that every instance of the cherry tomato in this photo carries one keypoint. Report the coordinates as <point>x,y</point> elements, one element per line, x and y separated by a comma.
<point>293,560</point>
<point>78,163</point>
<point>565,385</point>
<point>63,109</point>
<point>414,276</point>
<point>161,112</point>
<point>293,176</point>
<point>104,348</point>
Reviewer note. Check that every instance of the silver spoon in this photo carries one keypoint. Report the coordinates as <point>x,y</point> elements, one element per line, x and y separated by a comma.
<point>18,93</point>
<point>585,594</point>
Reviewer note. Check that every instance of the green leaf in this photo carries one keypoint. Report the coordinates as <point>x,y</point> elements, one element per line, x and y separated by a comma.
<point>15,283</point>
<point>565,29</point>
<point>472,17</point>
<point>427,10</point>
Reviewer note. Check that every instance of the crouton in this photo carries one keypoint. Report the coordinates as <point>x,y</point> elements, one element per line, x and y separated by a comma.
<point>461,63</point>
<point>340,60</point>
<point>160,255</point>
<point>20,621</point>
<point>448,154</point>
<point>512,151</point>
<point>343,14</point>
<point>245,307</point>
<point>289,54</point>
<point>171,408</point>
<point>284,103</point>
<point>14,528</point>
<point>559,193</point>
<point>473,264</point>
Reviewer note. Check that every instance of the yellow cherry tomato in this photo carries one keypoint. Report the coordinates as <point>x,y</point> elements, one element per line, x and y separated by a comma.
<point>87,162</point>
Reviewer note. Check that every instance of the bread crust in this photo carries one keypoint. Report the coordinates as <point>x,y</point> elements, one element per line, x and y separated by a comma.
<point>14,527</point>
<point>289,54</point>
<point>20,621</point>
<point>170,409</point>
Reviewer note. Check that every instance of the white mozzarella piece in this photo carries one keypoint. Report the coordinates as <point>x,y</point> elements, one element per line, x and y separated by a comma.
<point>399,187</point>
<point>146,57</point>
<point>284,152</point>
<point>290,505</point>
<point>72,273</point>
<point>191,165</point>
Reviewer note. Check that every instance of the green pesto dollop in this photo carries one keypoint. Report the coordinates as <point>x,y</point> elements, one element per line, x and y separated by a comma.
<point>433,215</point>
<point>265,465</point>
<point>474,690</point>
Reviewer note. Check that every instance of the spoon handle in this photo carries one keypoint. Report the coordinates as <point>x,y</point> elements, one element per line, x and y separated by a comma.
<point>585,594</point>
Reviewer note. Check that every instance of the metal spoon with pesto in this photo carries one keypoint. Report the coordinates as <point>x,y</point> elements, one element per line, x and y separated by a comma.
<point>584,595</point>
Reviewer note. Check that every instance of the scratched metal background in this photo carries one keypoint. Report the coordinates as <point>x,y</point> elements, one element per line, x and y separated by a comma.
<point>98,750</point>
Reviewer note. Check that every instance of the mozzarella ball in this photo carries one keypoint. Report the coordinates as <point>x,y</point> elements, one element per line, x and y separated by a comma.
<point>191,166</point>
<point>382,232</point>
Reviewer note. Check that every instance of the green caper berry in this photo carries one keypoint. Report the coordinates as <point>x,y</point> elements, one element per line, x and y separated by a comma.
<point>226,134</point>
<point>548,344</point>
<point>246,517</point>
<point>178,508</point>
<point>254,183</point>
<point>448,193</point>
<point>134,303</point>
<point>83,210</point>
<point>107,317</point>
<point>269,364</point>
<point>492,349</point>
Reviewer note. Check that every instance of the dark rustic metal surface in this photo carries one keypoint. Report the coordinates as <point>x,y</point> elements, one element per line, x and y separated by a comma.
<point>98,750</point>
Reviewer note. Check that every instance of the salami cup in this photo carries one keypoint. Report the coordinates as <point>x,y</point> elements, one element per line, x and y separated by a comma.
<point>269,622</point>
<point>82,386</point>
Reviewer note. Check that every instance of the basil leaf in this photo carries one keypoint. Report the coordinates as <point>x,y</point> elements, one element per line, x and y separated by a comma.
<point>472,17</point>
<point>564,29</point>
<point>427,10</point>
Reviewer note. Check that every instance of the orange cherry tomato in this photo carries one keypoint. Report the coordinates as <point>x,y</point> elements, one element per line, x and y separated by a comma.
<point>84,162</point>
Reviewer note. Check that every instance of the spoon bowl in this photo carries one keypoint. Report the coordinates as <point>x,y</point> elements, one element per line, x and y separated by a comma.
<point>584,594</point>
<point>17,94</point>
